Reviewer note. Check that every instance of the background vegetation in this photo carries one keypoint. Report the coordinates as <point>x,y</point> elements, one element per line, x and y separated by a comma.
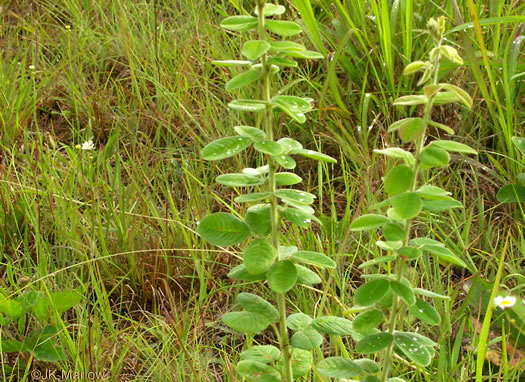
<point>118,223</point>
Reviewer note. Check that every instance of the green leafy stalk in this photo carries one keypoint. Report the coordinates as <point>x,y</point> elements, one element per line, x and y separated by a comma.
<point>407,198</point>
<point>263,258</point>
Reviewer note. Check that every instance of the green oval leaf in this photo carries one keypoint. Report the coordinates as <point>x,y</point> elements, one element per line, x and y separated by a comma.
<point>333,325</point>
<point>404,292</point>
<point>314,155</point>
<point>367,320</point>
<point>374,343</point>
<point>255,304</point>
<point>440,205</point>
<point>268,147</point>
<point>398,180</point>
<point>283,28</point>
<point>253,197</point>
<point>306,54</point>
<point>239,23</point>
<point>230,63</point>
<point>432,156</point>
<point>295,107</point>
<point>225,147</point>
<point>259,219</point>
<point>299,217</point>
<point>262,353</point>
<point>511,193</point>
<point>338,367</point>
<point>398,153</point>
<point>247,105</point>
<point>413,347</point>
<point>298,321</point>
<point>241,273</point>
<point>307,339</point>
<point>239,180</point>
<point>367,365</point>
<point>242,79</point>
<point>425,312</point>
<point>295,197</point>
<point>271,9</point>
<point>258,371</point>
<point>246,322</point>
<point>393,232</point>
<point>452,146</point>
<point>371,292</point>
<point>306,276</point>
<point>411,100</point>
<point>368,222</point>
<point>314,258</point>
<point>409,129</point>
<point>444,254</point>
<point>282,276</point>
<point>259,256</point>
<point>254,49</point>
<point>463,96</point>
<point>407,205</point>
<point>286,161</point>
<point>223,229</point>
<point>253,133</point>
<point>287,179</point>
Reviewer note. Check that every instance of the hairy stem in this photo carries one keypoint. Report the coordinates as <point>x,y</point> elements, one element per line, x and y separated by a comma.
<point>400,263</point>
<point>287,375</point>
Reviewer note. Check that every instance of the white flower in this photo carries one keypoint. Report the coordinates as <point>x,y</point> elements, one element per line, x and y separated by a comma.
<point>32,67</point>
<point>505,302</point>
<point>87,145</point>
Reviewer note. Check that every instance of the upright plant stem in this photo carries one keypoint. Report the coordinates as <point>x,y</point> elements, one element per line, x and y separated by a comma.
<point>287,375</point>
<point>400,263</point>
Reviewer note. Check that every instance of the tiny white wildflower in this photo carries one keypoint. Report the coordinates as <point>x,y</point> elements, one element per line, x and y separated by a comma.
<point>505,302</point>
<point>87,145</point>
<point>32,67</point>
